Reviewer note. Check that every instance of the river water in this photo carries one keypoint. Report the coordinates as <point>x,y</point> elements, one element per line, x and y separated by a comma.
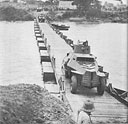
<point>20,62</point>
<point>19,56</point>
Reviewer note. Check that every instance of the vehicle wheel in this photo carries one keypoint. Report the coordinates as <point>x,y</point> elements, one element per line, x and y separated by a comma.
<point>101,87</point>
<point>73,84</point>
<point>66,74</point>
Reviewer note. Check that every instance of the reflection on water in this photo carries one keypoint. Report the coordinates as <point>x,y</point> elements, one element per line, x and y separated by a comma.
<point>19,56</point>
<point>109,43</point>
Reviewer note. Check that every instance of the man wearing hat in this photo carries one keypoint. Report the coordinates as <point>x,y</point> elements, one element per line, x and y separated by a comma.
<point>84,113</point>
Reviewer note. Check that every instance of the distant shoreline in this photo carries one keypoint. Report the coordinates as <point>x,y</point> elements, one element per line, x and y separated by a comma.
<point>9,12</point>
<point>94,20</point>
<point>20,12</point>
<point>102,17</point>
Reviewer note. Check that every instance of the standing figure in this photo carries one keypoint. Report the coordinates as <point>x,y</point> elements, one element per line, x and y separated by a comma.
<point>83,115</point>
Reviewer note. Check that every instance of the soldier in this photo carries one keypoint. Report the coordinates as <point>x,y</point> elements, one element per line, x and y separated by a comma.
<point>85,43</point>
<point>84,113</point>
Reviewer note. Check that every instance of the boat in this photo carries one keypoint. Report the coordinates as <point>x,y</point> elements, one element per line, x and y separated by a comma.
<point>60,27</point>
<point>119,94</point>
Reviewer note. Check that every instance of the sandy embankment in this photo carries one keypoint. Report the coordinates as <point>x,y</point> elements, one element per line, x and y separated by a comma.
<point>31,104</point>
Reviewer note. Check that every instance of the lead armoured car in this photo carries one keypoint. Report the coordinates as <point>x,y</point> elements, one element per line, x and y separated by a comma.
<point>82,68</point>
<point>41,18</point>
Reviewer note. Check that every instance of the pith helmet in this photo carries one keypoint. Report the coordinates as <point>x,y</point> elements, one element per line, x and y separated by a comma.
<point>88,106</point>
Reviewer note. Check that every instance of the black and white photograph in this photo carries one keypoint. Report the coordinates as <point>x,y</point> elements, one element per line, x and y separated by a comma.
<point>63,62</point>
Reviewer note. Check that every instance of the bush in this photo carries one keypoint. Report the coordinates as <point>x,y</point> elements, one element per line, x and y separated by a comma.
<point>66,15</point>
<point>94,13</point>
<point>10,13</point>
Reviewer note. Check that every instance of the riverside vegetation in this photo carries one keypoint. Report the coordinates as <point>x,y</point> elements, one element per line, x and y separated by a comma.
<point>11,13</point>
<point>89,11</point>
<point>91,16</point>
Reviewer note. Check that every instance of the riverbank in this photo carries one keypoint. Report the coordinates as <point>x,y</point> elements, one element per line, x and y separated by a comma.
<point>99,18</point>
<point>30,104</point>
<point>13,12</point>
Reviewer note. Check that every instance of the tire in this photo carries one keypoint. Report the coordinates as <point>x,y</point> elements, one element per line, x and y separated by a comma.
<point>66,74</point>
<point>73,84</point>
<point>101,87</point>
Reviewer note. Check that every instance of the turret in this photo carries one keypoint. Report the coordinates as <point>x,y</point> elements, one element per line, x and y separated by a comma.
<point>82,48</point>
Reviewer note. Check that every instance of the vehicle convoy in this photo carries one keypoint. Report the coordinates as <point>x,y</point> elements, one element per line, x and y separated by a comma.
<point>81,67</point>
<point>41,18</point>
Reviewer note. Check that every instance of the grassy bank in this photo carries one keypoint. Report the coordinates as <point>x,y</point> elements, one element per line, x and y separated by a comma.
<point>14,13</point>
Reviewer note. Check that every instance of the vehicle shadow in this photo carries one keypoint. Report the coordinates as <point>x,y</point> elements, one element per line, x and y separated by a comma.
<point>84,91</point>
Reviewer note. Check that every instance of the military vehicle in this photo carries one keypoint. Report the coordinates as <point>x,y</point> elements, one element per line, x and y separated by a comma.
<point>81,67</point>
<point>41,18</point>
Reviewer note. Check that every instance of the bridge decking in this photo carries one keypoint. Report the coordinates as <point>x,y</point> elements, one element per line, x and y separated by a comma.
<point>107,108</point>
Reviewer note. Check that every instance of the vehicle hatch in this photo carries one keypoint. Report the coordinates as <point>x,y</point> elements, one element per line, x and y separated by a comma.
<point>85,60</point>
